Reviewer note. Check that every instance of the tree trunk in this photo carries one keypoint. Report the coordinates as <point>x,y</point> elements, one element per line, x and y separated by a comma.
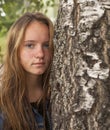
<point>80,76</point>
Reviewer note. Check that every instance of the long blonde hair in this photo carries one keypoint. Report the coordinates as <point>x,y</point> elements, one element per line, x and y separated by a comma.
<point>13,97</point>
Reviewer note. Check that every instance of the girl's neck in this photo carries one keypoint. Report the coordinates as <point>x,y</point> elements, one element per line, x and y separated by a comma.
<point>34,84</point>
<point>34,81</point>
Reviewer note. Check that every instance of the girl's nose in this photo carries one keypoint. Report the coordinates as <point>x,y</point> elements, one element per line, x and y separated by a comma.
<point>39,52</point>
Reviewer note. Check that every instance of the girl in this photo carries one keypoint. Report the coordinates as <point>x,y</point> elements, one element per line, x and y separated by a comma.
<point>25,80</point>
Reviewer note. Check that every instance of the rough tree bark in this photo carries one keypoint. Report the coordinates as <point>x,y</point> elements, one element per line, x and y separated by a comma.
<point>81,68</point>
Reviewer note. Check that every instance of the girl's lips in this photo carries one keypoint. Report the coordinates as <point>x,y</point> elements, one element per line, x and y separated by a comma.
<point>38,64</point>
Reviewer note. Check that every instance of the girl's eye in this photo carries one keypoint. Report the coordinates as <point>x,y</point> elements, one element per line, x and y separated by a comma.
<point>46,45</point>
<point>30,45</point>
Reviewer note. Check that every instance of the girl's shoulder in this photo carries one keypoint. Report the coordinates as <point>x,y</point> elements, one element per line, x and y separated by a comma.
<point>1,120</point>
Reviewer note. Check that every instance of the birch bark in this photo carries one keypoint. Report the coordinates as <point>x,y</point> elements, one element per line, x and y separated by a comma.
<point>80,76</point>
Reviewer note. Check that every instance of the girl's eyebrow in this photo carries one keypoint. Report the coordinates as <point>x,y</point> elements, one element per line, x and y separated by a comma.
<point>45,41</point>
<point>35,41</point>
<point>29,41</point>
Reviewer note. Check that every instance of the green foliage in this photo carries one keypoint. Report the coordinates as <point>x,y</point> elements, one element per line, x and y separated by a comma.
<point>13,9</point>
<point>2,47</point>
<point>2,44</point>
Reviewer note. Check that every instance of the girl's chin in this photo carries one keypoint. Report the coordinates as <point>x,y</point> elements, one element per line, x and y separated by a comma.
<point>38,73</point>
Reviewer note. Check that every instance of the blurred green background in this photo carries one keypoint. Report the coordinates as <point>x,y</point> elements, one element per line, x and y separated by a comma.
<point>10,10</point>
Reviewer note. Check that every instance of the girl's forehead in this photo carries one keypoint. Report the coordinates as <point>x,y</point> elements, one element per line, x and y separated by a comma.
<point>37,31</point>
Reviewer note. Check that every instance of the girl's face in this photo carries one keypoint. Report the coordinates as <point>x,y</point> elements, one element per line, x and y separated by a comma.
<point>34,51</point>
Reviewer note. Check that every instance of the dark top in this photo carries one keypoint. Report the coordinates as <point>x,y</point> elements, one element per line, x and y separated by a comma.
<point>38,117</point>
